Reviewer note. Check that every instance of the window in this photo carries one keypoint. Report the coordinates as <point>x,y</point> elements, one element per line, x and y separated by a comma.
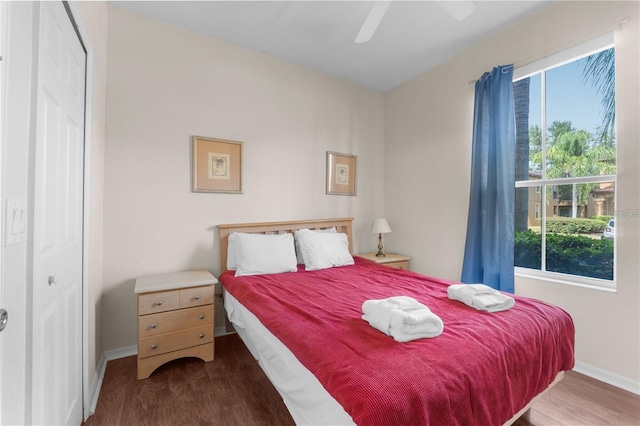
<point>566,164</point>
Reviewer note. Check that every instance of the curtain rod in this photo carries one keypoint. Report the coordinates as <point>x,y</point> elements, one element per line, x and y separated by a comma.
<point>617,26</point>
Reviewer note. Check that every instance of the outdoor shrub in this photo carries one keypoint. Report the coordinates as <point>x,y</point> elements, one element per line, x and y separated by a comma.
<point>568,225</point>
<point>568,254</point>
<point>605,219</point>
<point>526,250</point>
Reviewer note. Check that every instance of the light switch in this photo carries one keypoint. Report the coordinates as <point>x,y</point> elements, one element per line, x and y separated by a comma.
<point>15,222</point>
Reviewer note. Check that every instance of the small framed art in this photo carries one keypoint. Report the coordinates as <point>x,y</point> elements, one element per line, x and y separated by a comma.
<point>217,165</point>
<point>341,173</point>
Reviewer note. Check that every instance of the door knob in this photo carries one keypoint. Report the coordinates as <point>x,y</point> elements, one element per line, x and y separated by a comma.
<point>52,280</point>
<point>4,317</point>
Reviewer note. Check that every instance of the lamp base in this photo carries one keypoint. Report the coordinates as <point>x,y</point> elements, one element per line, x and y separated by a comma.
<point>380,253</point>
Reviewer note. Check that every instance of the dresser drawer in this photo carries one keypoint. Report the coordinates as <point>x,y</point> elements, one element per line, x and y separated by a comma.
<point>168,342</point>
<point>167,322</point>
<point>196,296</point>
<point>400,265</point>
<point>151,303</point>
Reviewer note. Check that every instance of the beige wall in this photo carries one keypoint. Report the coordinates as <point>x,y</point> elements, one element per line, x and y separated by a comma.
<point>428,145</point>
<point>165,85</point>
<point>92,19</point>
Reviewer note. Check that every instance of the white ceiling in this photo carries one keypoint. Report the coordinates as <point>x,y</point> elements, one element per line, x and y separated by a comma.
<point>412,37</point>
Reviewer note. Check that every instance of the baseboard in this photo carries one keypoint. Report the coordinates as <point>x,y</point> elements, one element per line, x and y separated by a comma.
<point>222,331</point>
<point>96,383</point>
<point>121,353</point>
<point>608,377</point>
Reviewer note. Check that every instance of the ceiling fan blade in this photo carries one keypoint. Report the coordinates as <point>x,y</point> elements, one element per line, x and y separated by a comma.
<point>459,9</point>
<point>372,21</point>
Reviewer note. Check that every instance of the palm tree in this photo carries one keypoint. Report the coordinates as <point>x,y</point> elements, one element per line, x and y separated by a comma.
<point>600,70</point>
<point>535,148</point>
<point>558,128</point>
<point>573,154</point>
<point>521,105</point>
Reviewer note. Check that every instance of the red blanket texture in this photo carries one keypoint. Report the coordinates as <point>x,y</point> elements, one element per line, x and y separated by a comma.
<point>484,368</point>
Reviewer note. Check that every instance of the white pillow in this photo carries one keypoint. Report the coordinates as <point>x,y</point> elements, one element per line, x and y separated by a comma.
<point>324,250</point>
<point>264,254</point>
<point>297,241</point>
<point>232,249</point>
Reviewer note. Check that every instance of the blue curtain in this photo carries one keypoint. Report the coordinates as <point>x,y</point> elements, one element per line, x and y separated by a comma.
<point>488,253</point>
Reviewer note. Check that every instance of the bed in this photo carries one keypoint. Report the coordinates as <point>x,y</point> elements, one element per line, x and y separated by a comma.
<point>331,367</point>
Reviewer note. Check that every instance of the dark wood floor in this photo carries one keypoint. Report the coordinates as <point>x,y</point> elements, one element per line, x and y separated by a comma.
<point>233,390</point>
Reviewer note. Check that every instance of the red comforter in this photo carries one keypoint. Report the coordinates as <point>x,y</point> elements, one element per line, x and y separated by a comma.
<point>482,370</point>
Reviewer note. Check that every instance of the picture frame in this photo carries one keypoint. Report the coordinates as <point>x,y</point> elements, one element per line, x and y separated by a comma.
<point>216,165</point>
<point>341,173</point>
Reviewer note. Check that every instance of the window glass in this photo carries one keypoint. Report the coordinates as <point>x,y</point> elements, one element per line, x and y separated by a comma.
<point>565,137</point>
<point>576,239</point>
<point>528,242</point>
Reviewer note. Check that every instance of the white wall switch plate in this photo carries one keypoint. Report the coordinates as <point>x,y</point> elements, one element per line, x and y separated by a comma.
<point>15,222</point>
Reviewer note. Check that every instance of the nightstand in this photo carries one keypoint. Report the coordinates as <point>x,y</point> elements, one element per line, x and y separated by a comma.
<point>391,259</point>
<point>175,318</point>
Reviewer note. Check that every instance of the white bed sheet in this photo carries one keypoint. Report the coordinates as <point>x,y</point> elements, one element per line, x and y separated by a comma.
<point>307,400</point>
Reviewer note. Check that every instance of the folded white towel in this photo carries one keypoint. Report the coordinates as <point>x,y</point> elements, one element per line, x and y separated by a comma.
<point>415,323</point>
<point>402,318</point>
<point>378,312</point>
<point>481,297</point>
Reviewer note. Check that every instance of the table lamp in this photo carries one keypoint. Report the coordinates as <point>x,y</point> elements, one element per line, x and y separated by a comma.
<point>380,226</point>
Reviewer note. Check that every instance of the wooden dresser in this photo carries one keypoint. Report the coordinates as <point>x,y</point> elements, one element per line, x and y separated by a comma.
<point>390,259</point>
<point>175,318</point>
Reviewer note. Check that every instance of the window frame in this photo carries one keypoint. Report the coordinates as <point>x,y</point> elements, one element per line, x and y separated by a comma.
<point>571,54</point>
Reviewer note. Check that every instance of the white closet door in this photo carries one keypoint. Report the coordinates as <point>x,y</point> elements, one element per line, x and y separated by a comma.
<point>58,214</point>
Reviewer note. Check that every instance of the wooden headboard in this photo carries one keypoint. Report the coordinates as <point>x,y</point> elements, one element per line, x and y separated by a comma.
<point>342,225</point>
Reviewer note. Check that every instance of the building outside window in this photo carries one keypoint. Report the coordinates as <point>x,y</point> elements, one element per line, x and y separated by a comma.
<point>566,164</point>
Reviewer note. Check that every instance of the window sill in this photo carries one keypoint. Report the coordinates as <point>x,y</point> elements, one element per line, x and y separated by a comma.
<point>564,279</point>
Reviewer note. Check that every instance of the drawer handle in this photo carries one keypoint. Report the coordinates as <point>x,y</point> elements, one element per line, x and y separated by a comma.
<point>202,335</point>
<point>158,303</point>
<point>154,346</point>
<point>196,297</point>
<point>202,316</point>
<point>154,325</point>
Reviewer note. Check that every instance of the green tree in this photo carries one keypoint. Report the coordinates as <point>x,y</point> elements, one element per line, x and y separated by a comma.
<point>535,148</point>
<point>558,128</point>
<point>567,155</point>
<point>521,106</point>
<point>574,154</point>
<point>600,70</point>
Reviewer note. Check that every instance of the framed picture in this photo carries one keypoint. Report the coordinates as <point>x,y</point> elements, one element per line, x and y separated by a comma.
<point>217,165</point>
<point>341,173</point>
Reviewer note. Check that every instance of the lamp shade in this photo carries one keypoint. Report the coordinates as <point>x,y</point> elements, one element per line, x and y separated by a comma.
<point>380,226</point>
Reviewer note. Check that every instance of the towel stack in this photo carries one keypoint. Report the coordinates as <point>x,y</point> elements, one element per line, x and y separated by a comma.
<point>481,297</point>
<point>402,317</point>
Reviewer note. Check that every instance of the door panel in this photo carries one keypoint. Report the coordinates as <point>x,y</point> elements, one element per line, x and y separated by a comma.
<point>73,378</point>
<point>57,234</point>
<point>48,172</point>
